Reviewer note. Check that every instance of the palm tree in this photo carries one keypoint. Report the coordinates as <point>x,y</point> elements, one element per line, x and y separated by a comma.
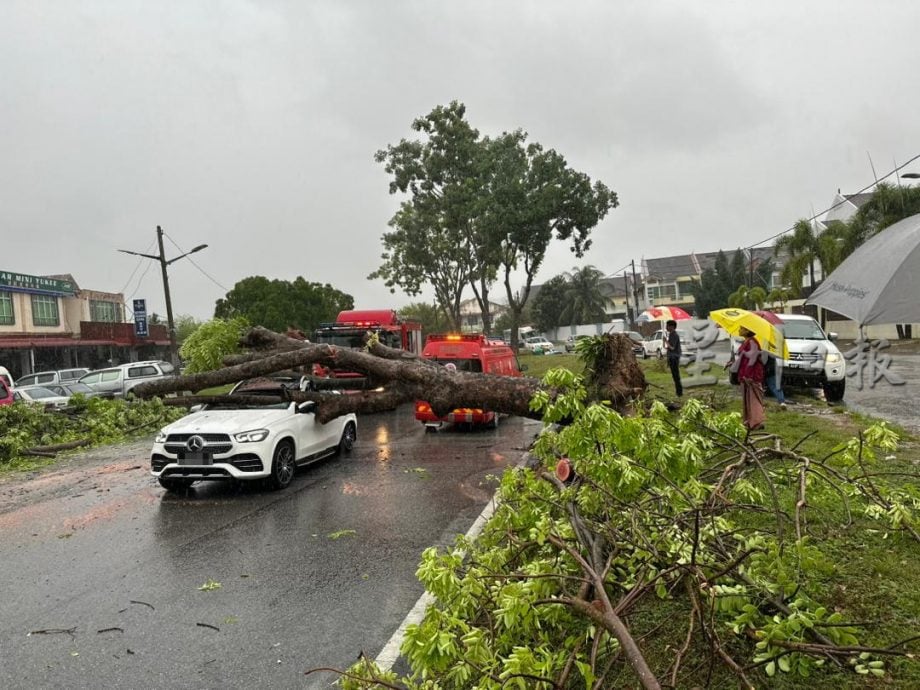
<point>804,247</point>
<point>781,295</point>
<point>748,297</point>
<point>584,301</point>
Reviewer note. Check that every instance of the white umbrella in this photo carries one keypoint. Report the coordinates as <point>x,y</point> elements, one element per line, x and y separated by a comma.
<point>880,281</point>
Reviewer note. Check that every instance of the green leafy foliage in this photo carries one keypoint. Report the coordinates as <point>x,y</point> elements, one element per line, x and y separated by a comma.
<point>548,303</point>
<point>277,304</point>
<point>206,347</point>
<point>478,209</point>
<point>431,317</point>
<point>685,526</point>
<point>716,286</point>
<point>97,420</point>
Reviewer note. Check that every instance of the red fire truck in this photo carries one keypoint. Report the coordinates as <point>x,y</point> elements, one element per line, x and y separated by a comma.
<point>352,325</point>
<point>472,352</point>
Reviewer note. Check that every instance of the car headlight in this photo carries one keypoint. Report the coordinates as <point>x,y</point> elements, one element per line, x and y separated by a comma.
<point>834,357</point>
<point>252,436</point>
<point>161,437</point>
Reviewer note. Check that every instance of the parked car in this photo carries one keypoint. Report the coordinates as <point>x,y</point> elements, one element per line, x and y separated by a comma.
<point>537,344</point>
<point>229,441</point>
<point>72,388</point>
<point>41,378</point>
<point>6,393</point>
<point>571,340</point>
<point>637,343</point>
<point>6,377</point>
<point>653,346</point>
<point>39,395</point>
<point>117,381</point>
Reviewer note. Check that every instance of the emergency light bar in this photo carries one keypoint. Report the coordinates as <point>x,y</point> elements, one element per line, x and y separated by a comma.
<point>360,324</point>
<point>459,337</point>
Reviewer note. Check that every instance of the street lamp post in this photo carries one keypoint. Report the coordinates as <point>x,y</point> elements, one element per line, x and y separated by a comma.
<point>161,257</point>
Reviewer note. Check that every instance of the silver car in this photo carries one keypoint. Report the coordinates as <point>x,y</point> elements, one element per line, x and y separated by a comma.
<point>117,381</point>
<point>42,378</point>
<point>39,395</point>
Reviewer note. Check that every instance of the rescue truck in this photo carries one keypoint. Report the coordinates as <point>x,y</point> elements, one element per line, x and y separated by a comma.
<point>352,325</point>
<point>467,352</point>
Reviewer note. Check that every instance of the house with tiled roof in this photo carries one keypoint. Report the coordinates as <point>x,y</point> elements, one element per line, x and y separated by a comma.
<point>844,206</point>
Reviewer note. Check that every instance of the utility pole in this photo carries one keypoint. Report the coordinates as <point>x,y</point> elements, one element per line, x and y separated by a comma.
<point>751,269</point>
<point>635,288</point>
<point>161,257</point>
<point>626,294</point>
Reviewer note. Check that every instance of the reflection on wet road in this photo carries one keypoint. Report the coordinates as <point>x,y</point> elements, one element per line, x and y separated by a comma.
<point>108,572</point>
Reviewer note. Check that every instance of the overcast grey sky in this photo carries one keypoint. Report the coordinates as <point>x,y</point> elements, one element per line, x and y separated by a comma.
<point>251,126</point>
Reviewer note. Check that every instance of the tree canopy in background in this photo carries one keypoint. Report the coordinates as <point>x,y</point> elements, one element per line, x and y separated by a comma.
<point>584,301</point>
<point>435,241</point>
<point>277,304</point>
<point>185,326</point>
<point>431,316</point>
<point>717,284</point>
<point>547,304</point>
<point>480,209</point>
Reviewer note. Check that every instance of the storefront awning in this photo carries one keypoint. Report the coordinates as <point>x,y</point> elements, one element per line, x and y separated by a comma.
<point>30,343</point>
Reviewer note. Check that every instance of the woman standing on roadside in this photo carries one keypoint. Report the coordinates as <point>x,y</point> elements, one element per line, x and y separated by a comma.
<point>750,376</point>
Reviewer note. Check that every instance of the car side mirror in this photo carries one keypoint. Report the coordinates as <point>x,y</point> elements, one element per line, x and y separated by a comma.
<point>196,408</point>
<point>831,336</point>
<point>307,407</point>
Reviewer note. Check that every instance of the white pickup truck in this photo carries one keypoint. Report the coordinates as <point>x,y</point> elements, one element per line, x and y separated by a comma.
<point>814,361</point>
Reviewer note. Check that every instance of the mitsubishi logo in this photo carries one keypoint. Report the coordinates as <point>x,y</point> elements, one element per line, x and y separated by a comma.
<point>195,444</point>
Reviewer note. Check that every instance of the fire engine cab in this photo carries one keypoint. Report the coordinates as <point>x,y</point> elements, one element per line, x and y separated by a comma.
<point>468,352</point>
<point>352,325</point>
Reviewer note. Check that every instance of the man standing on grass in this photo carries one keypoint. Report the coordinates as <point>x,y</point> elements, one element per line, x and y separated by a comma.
<point>672,345</point>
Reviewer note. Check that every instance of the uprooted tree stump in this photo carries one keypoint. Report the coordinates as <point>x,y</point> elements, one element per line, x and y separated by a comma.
<point>396,376</point>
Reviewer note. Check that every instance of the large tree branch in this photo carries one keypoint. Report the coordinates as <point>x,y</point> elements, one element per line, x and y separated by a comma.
<point>408,379</point>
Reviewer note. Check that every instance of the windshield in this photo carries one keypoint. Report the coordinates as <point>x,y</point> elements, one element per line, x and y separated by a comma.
<point>38,393</point>
<point>473,365</point>
<point>803,330</point>
<point>354,338</point>
<point>78,388</point>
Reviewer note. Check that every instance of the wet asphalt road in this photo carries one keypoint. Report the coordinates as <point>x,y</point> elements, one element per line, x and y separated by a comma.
<point>103,567</point>
<point>873,393</point>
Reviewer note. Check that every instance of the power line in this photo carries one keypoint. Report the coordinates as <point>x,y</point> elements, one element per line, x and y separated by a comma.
<point>615,274</point>
<point>137,266</point>
<point>839,203</point>
<point>137,287</point>
<point>205,273</point>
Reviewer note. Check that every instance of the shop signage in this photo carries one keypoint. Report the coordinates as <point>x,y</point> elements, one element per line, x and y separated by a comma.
<point>20,282</point>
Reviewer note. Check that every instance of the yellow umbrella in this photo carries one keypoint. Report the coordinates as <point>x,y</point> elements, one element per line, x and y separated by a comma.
<point>768,335</point>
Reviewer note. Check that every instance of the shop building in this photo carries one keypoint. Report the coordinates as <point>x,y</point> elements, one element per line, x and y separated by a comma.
<point>49,322</point>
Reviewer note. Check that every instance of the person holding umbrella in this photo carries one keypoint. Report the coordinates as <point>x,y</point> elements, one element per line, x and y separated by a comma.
<point>751,376</point>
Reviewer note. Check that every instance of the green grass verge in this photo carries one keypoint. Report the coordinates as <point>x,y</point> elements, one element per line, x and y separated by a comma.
<point>870,574</point>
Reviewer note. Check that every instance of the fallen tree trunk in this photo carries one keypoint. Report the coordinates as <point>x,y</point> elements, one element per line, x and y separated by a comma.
<point>405,378</point>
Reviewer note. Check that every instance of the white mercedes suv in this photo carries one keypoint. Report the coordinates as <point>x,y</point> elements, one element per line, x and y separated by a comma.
<point>248,441</point>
